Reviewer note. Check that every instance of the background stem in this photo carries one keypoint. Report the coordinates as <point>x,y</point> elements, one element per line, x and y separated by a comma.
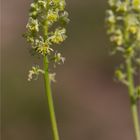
<point>50,100</point>
<point>134,107</point>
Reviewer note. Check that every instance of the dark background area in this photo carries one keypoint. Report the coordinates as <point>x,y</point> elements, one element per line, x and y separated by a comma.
<point>89,104</point>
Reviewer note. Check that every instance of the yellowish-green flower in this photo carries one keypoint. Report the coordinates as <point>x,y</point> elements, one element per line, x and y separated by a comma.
<point>136,4</point>
<point>58,36</point>
<point>117,38</point>
<point>133,29</point>
<point>35,71</point>
<point>52,16</point>
<point>33,25</point>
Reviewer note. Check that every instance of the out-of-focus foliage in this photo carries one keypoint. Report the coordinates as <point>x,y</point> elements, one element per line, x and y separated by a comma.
<point>123,22</point>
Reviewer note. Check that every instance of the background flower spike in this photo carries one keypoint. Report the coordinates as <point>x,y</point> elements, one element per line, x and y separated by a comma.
<point>123,22</point>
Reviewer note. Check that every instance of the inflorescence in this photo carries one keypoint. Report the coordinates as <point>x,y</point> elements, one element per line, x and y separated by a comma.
<point>123,21</point>
<point>45,30</point>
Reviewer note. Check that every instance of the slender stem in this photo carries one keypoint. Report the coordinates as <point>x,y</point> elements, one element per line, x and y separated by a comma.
<point>50,100</point>
<point>48,85</point>
<point>134,108</point>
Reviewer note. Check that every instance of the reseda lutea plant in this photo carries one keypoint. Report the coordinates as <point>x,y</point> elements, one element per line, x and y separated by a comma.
<point>123,20</point>
<point>46,30</point>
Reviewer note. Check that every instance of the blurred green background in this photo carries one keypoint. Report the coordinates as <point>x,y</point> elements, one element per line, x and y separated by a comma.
<point>89,104</point>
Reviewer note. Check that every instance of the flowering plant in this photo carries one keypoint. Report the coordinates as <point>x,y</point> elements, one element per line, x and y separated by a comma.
<point>123,22</point>
<point>45,30</point>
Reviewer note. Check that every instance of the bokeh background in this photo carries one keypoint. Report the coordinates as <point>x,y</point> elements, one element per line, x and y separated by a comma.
<point>89,104</point>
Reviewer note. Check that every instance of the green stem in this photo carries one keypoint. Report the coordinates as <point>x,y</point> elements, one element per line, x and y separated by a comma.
<point>50,100</point>
<point>134,108</point>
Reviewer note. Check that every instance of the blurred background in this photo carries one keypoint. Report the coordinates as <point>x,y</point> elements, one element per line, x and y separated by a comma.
<point>89,104</point>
